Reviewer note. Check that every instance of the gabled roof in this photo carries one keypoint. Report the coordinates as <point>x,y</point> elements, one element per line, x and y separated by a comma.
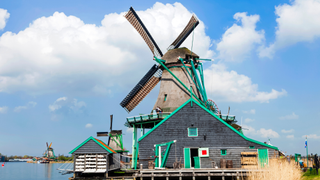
<point>217,117</point>
<point>99,142</point>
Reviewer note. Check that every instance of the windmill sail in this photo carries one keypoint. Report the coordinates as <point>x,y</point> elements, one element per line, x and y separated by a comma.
<point>136,22</point>
<point>193,23</point>
<point>142,89</point>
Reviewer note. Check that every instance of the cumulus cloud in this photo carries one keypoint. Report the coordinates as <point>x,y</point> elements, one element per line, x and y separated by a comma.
<point>290,136</point>
<point>247,120</point>
<point>296,22</point>
<point>3,109</point>
<point>66,106</point>
<point>311,136</point>
<point>29,105</point>
<point>287,131</point>
<point>252,111</point>
<point>239,40</point>
<point>265,133</point>
<point>88,125</point>
<point>61,53</point>
<point>289,117</point>
<point>4,16</point>
<point>234,87</point>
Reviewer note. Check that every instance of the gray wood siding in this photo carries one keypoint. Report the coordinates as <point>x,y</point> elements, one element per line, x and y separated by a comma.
<point>90,147</point>
<point>218,136</point>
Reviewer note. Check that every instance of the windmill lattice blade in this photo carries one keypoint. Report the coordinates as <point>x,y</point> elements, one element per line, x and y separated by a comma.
<point>136,22</point>
<point>50,144</point>
<point>193,23</point>
<point>142,89</point>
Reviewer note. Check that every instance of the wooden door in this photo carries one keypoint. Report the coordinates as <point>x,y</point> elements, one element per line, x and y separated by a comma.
<point>263,157</point>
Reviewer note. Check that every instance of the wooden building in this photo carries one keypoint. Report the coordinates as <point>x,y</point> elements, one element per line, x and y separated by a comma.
<point>94,157</point>
<point>201,139</point>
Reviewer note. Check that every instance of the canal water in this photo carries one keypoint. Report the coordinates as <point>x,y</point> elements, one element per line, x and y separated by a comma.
<point>31,171</point>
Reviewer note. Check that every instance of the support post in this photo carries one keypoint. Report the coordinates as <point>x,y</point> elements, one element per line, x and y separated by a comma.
<point>134,147</point>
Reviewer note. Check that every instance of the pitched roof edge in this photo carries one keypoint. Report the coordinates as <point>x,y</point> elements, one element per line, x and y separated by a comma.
<point>243,136</point>
<point>105,146</point>
<point>91,138</point>
<point>155,127</point>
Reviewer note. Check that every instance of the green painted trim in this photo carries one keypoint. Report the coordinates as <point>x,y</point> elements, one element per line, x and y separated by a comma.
<point>91,138</point>
<point>192,135</point>
<point>223,152</point>
<point>251,147</point>
<point>165,97</point>
<point>158,61</point>
<point>222,121</point>
<point>198,81</point>
<point>156,126</point>
<point>243,136</point>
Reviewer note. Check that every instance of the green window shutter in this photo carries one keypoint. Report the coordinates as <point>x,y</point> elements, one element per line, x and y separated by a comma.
<point>165,97</point>
<point>223,152</point>
<point>192,131</point>
<point>251,147</point>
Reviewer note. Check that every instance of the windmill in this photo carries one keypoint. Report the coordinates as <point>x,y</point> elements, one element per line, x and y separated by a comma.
<point>115,138</point>
<point>178,70</point>
<point>49,153</point>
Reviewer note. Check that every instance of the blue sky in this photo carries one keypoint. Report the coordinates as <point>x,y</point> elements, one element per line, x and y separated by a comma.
<point>66,66</point>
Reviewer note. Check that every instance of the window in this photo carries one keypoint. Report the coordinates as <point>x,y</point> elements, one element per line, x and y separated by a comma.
<point>251,147</point>
<point>165,97</point>
<point>223,152</point>
<point>192,131</point>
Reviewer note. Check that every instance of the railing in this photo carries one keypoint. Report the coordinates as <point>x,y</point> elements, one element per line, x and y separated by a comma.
<point>148,117</point>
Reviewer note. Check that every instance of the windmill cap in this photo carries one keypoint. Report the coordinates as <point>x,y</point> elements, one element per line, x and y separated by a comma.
<point>172,55</point>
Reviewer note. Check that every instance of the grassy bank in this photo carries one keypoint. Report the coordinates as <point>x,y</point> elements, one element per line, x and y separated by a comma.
<point>311,175</point>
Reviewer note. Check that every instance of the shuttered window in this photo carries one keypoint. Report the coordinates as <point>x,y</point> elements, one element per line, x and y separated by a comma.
<point>192,131</point>
<point>223,152</point>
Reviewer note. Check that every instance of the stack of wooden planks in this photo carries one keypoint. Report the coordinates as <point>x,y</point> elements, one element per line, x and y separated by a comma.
<point>249,160</point>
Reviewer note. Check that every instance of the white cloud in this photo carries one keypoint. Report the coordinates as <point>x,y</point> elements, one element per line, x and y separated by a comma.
<point>67,105</point>
<point>247,120</point>
<point>268,133</point>
<point>129,130</point>
<point>287,131</point>
<point>265,133</point>
<point>4,15</point>
<point>311,136</point>
<point>289,117</point>
<point>297,22</point>
<point>63,54</point>
<point>290,136</point>
<point>3,109</point>
<point>252,111</point>
<point>57,104</point>
<point>30,104</point>
<point>234,87</point>
<point>88,125</point>
<point>239,40</point>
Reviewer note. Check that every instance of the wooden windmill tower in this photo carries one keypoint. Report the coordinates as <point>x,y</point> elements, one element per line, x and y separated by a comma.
<point>179,70</point>
<point>49,153</point>
<point>115,138</point>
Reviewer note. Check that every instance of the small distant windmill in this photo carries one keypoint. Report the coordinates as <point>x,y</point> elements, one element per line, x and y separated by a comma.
<point>49,153</point>
<point>115,138</point>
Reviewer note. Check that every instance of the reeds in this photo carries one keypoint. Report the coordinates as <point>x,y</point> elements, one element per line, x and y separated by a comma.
<point>278,169</point>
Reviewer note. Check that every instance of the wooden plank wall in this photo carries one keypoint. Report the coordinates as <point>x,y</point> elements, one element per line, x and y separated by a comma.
<point>212,134</point>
